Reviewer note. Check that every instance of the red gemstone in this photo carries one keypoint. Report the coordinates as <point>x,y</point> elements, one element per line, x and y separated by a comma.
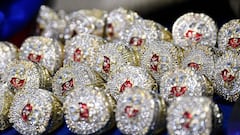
<point>26,112</point>
<point>234,42</point>
<point>136,41</point>
<point>154,62</point>
<point>106,64</point>
<point>67,86</point>
<point>34,57</point>
<point>188,117</point>
<point>77,55</point>
<point>110,30</point>
<point>193,35</point>
<point>130,111</point>
<point>17,83</point>
<point>194,65</point>
<point>126,84</point>
<point>84,112</point>
<point>178,91</point>
<point>226,76</point>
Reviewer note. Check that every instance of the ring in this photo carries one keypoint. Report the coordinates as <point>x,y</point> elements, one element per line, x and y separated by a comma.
<point>111,56</point>
<point>140,111</point>
<point>128,77</point>
<point>73,77</point>
<point>193,115</point>
<point>83,48</point>
<point>5,101</point>
<point>227,76</point>
<point>50,24</point>
<point>35,111</point>
<point>201,60</point>
<point>229,36</point>
<point>8,53</point>
<point>117,21</point>
<point>45,51</point>
<point>85,21</point>
<point>194,28</point>
<point>159,57</point>
<point>183,82</point>
<point>89,110</point>
<point>21,74</point>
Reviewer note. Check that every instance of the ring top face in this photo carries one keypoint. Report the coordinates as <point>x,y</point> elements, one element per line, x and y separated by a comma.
<point>200,60</point>
<point>139,33</point>
<point>229,36</point>
<point>227,76</point>
<point>8,52</point>
<point>180,82</point>
<point>128,77</point>
<point>194,28</point>
<point>135,111</point>
<point>50,24</point>
<point>109,58</point>
<point>31,110</point>
<point>45,51</point>
<point>83,49</point>
<point>117,21</point>
<point>87,111</point>
<point>85,21</point>
<point>22,74</point>
<point>190,116</point>
<point>68,78</point>
<point>160,57</point>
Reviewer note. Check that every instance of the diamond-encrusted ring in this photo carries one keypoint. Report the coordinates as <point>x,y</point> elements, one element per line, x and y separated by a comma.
<point>35,111</point>
<point>159,57</point>
<point>83,48</point>
<point>127,77</point>
<point>117,21</point>
<point>193,116</point>
<point>8,53</point>
<point>200,59</point>
<point>194,29</point>
<point>5,102</point>
<point>139,112</point>
<point>72,77</point>
<point>85,21</point>
<point>227,76</point>
<point>45,51</point>
<point>110,57</point>
<point>182,82</point>
<point>139,33</point>
<point>229,36</point>
<point>26,74</point>
<point>89,110</point>
<point>50,24</point>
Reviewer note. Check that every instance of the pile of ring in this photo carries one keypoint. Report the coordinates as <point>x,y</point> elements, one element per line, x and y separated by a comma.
<point>97,70</point>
